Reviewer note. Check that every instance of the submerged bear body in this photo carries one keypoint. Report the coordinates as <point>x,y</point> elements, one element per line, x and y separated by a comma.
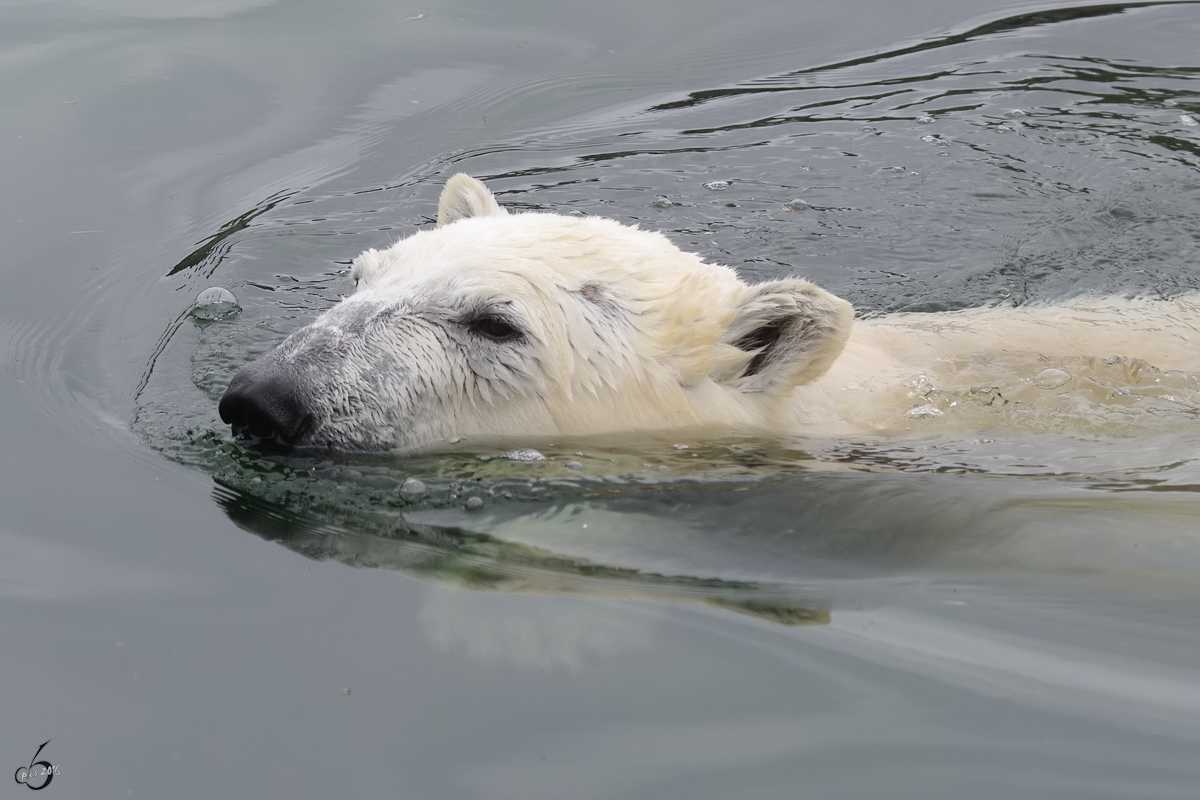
<point>507,326</point>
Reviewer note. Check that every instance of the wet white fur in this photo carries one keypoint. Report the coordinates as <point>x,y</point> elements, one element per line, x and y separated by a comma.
<point>863,390</point>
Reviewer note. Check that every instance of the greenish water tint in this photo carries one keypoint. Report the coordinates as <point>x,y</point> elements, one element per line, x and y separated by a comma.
<point>933,614</point>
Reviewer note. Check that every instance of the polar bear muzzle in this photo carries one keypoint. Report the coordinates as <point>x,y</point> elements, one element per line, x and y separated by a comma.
<point>345,381</point>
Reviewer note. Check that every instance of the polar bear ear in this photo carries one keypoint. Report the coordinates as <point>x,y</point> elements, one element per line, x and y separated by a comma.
<point>463,198</point>
<point>789,331</point>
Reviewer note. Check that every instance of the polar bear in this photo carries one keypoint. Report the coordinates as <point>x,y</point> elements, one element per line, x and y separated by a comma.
<point>498,325</point>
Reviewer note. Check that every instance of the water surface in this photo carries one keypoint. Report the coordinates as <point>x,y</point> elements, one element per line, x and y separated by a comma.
<point>929,615</point>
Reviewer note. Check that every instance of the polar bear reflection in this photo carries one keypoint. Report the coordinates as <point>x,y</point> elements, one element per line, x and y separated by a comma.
<point>530,632</point>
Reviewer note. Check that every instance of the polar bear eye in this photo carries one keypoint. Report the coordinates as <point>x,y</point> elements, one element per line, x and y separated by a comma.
<point>493,327</point>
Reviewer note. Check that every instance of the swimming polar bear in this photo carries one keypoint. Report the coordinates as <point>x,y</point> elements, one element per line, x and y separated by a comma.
<point>543,325</point>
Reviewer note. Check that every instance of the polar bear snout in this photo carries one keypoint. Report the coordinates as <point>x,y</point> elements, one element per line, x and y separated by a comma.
<point>263,401</point>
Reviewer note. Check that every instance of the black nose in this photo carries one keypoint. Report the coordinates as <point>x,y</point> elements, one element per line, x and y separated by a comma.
<point>264,402</point>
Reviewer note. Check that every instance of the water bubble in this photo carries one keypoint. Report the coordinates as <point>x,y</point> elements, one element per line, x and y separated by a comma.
<point>413,486</point>
<point>925,120</point>
<point>717,186</point>
<point>927,411</point>
<point>796,205</point>
<point>575,465</point>
<point>868,129</point>
<point>1188,120</point>
<point>935,141</point>
<point>662,201</point>
<point>1051,378</point>
<point>215,303</point>
<point>474,503</point>
<point>524,455</point>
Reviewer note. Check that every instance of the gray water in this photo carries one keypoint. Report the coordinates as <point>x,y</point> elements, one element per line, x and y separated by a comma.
<point>932,616</point>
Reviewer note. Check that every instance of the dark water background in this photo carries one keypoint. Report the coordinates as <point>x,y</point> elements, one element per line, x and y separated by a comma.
<point>927,617</point>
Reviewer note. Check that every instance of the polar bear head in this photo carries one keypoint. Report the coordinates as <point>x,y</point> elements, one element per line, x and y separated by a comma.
<point>536,324</point>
